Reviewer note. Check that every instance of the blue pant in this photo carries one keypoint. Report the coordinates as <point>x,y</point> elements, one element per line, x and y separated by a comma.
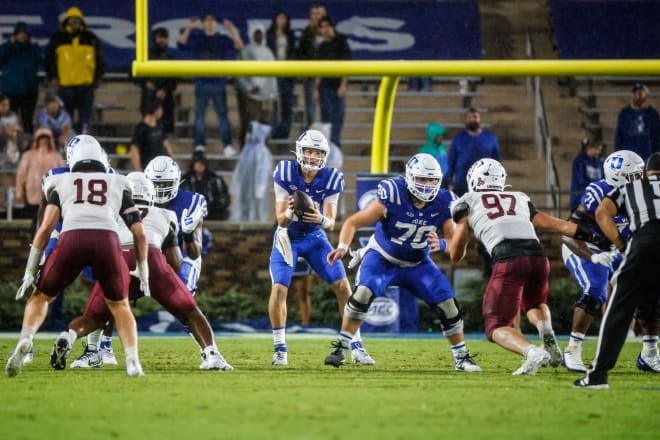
<point>218,94</point>
<point>79,98</point>
<point>282,119</point>
<point>332,110</point>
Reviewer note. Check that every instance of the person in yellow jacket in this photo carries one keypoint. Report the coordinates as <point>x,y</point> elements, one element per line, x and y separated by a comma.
<point>74,67</point>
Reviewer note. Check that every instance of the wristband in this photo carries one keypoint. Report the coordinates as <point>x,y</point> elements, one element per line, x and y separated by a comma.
<point>443,244</point>
<point>343,246</point>
<point>325,222</point>
<point>189,237</point>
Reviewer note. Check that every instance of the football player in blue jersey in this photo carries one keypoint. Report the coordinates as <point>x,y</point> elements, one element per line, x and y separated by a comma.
<point>592,268</point>
<point>305,236</point>
<point>408,212</point>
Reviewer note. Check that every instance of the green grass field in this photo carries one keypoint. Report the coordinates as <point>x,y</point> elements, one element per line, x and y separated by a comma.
<point>413,392</point>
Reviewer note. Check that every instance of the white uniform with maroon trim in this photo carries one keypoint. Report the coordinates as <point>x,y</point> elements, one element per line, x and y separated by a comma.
<point>157,223</point>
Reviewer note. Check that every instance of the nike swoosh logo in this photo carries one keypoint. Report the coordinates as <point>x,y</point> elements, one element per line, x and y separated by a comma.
<point>435,214</point>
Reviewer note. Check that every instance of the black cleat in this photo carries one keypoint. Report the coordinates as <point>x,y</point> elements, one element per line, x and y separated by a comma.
<point>338,355</point>
<point>60,353</point>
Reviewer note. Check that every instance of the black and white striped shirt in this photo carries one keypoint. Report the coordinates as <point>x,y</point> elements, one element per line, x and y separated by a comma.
<point>640,199</point>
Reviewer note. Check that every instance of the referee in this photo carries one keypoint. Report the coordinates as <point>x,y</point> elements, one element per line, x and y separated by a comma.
<point>635,285</point>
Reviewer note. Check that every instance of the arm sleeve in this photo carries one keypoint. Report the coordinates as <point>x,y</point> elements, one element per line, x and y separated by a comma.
<point>129,212</point>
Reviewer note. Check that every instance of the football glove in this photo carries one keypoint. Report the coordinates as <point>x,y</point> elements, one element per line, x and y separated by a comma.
<point>356,257</point>
<point>30,272</point>
<point>141,272</point>
<point>190,220</point>
<point>604,258</point>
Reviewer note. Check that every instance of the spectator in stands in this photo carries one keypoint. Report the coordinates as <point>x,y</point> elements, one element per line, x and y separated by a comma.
<point>9,132</point>
<point>587,168</point>
<point>160,88</point>
<point>35,162</point>
<point>419,83</point>
<point>308,45</point>
<point>257,95</point>
<point>148,139</point>
<point>208,44</point>
<point>467,147</point>
<point>435,145</point>
<point>202,180</point>
<point>21,59</point>
<point>253,175</point>
<point>74,66</point>
<point>282,42</point>
<point>54,117</point>
<point>331,92</point>
<point>638,125</point>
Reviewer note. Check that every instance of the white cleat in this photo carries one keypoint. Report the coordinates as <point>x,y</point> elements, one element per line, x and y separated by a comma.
<point>16,360</point>
<point>535,359</point>
<point>572,360</point>
<point>648,363</point>
<point>215,361</point>
<point>465,362</point>
<point>133,368</point>
<point>29,357</point>
<point>280,359</point>
<point>551,346</point>
<point>91,358</point>
<point>360,356</point>
<point>108,356</point>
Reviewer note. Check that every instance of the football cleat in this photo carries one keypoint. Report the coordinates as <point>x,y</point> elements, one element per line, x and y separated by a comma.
<point>338,356</point>
<point>60,353</point>
<point>360,356</point>
<point>213,360</point>
<point>107,354</point>
<point>280,357</point>
<point>572,360</point>
<point>550,345</point>
<point>91,358</point>
<point>589,384</point>
<point>535,359</point>
<point>29,357</point>
<point>465,362</point>
<point>133,368</point>
<point>650,364</point>
<point>15,361</point>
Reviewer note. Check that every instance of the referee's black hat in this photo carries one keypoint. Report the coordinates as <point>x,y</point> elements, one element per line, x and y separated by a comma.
<point>653,162</point>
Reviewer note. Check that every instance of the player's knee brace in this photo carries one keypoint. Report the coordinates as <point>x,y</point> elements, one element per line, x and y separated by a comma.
<point>358,303</point>
<point>590,305</point>
<point>450,317</point>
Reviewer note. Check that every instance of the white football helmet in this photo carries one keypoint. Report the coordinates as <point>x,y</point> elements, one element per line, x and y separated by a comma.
<point>622,167</point>
<point>79,141</point>
<point>313,139</point>
<point>143,188</point>
<point>486,175</point>
<point>165,174</point>
<point>423,166</point>
<point>85,150</point>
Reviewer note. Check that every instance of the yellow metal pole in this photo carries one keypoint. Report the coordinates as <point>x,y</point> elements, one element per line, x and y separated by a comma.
<point>191,68</point>
<point>141,31</point>
<point>380,147</point>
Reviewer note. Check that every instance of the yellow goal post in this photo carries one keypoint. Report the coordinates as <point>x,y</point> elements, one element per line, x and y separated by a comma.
<point>390,70</point>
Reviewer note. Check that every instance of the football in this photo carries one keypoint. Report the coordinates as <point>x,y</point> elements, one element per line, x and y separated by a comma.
<point>302,203</point>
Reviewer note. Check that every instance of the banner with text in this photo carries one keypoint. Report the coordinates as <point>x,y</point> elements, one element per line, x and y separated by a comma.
<point>410,30</point>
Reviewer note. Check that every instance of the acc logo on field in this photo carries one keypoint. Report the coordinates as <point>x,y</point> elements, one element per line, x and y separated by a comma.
<point>383,311</point>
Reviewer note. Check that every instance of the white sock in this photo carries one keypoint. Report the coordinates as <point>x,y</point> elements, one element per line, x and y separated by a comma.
<point>575,341</point>
<point>27,333</point>
<point>527,349</point>
<point>357,337</point>
<point>458,349</point>
<point>345,336</point>
<point>71,336</point>
<point>105,338</point>
<point>544,328</point>
<point>94,338</point>
<point>649,346</point>
<point>209,349</point>
<point>130,353</point>
<point>279,336</point>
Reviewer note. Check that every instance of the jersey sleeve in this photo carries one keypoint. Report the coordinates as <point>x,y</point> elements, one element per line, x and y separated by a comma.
<point>388,193</point>
<point>335,182</point>
<point>282,174</point>
<point>592,197</point>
